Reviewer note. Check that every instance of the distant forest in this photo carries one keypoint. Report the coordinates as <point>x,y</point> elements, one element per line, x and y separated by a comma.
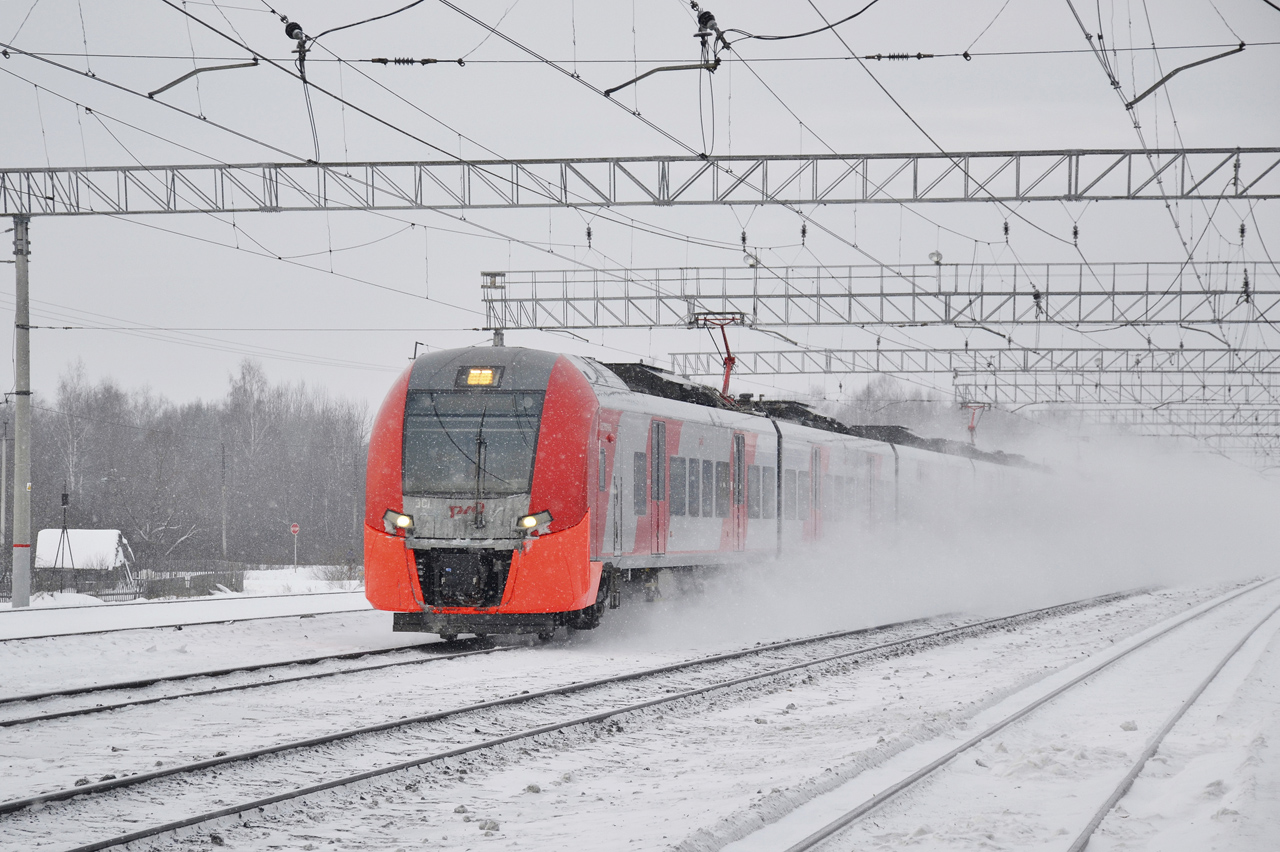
<point>155,469</point>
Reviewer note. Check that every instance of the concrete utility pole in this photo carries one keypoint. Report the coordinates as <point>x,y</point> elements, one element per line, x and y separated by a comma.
<point>22,417</point>
<point>4,480</point>
<point>224,502</point>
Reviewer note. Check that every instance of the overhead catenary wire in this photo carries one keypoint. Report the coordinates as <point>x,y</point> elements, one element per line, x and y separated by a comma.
<point>374,117</point>
<point>924,132</point>
<point>1157,173</point>
<point>293,156</point>
<point>469,223</point>
<point>979,54</point>
<point>267,253</point>
<point>143,95</point>
<point>687,147</point>
<point>99,115</point>
<point>616,218</point>
<point>211,344</point>
<point>655,127</point>
<point>829,26</point>
<point>939,147</point>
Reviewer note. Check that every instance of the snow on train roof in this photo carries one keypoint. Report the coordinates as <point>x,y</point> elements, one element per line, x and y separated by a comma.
<point>90,549</point>
<point>654,381</point>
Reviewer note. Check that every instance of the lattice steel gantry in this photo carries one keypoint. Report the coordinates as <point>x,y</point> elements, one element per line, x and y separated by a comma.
<point>955,294</point>
<point>954,361</point>
<point>974,176</point>
<point>1119,389</point>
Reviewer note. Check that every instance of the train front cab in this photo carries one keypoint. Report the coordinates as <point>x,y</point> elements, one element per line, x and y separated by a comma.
<point>477,517</point>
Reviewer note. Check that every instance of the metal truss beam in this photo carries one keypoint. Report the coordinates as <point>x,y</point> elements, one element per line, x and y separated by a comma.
<point>1268,445</point>
<point>1008,360</point>
<point>1236,431</point>
<point>1004,176</point>
<point>1071,294</point>
<point>1262,447</point>
<point>1118,389</point>
<point>1184,420</point>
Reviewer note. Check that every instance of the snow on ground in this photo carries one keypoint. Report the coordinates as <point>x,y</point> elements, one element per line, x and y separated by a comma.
<point>64,662</point>
<point>1215,783</point>
<point>28,624</point>
<point>1037,783</point>
<point>694,775</point>
<point>304,579</point>
<point>281,591</point>
<point>285,580</point>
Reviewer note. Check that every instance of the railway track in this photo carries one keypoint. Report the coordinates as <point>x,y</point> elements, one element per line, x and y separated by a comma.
<point>468,648</point>
<point>5,613</point>
<point>834,832</point>
<point>258,776</point>
<point>171,626</point>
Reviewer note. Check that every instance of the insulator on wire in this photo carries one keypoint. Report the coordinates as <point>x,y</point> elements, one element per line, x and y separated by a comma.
<point>1075,234</point>
<point>744,239</point>
<point>405,60</point>
<point>588,236</point>
<point>1006,230</point>
<point>804,231</point>
<point>1242,230</point>
<point>892,56</point>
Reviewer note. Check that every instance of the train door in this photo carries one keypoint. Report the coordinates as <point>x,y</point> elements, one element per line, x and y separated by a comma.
<point>659,519</point>
<point>738,510</point>
<point>615,512</point>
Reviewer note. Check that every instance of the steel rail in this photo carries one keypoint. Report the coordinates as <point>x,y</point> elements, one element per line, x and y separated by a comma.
<point>949,633</point>
<point>152,681</point>
<point>851,816</point>
<point>184,624</point>
<point>144,602</point>
<point>1125,783</point>
<point>102,708</point>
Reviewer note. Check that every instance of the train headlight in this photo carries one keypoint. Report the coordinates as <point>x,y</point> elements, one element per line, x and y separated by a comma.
<point>531,522</point>
<point>394,522</point>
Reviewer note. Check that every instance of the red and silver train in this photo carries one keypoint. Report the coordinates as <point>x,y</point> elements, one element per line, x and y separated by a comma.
<point>512,490</point>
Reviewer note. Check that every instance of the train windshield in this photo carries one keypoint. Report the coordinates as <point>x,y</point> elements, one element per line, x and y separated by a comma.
<point>469,443</point>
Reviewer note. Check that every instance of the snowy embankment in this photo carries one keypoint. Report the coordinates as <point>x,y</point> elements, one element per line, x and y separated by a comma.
<point>695,774</point>
<point>276,592</point>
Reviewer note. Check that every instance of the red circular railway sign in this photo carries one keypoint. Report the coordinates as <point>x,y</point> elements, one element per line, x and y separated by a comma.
<point>294,529</point>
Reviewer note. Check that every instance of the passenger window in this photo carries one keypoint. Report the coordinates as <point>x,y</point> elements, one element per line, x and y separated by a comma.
<point>604,470</point>
<point>708,487</point>
<point>640,472</point>
<point>678,480</point>
<point>695,479</point>
<point>803,494</point>
<point>753,491</point>
<point>768,492</point>
<point>722,489</point>
<point>789,495</point>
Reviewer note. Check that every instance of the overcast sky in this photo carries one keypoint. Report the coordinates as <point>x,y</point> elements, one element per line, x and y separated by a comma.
<point>1029,85</point>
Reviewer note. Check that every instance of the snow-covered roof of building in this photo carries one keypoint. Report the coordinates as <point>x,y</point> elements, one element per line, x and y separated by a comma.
<point>90,549</point>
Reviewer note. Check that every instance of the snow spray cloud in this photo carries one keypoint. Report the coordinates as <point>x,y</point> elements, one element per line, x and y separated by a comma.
<point>1105,517</point>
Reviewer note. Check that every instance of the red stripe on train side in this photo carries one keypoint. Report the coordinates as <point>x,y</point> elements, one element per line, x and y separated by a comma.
<point>391,577</point>
<point>560,471</point>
